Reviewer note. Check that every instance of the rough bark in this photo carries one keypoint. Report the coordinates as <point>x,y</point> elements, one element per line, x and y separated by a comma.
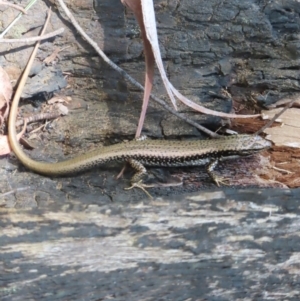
<point>248,48</point>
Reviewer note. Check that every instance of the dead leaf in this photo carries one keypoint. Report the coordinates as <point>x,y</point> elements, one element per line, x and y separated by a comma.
<point>151,33</point>
<point>57,99</point>
<point>288,134</point>
<point>26,143</point>
<point>145,15</point>
<point>5,88</point>
<point>62,109</point>
<point>4,144</point>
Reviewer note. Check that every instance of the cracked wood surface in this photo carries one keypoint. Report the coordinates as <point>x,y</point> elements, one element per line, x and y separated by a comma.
<point>214,245</point>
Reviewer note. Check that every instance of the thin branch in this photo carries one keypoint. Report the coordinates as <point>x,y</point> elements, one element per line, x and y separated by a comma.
<point>128,77</point>
<point>38,117</point>
<point>34,39</point>
<point>13,6</point>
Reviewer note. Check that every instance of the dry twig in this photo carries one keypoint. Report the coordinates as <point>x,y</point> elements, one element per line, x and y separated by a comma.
<point>34,39</point>
<point>38,117</point>
<point>13,6</point>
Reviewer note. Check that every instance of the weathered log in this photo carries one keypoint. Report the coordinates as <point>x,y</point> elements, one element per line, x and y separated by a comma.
<point>214,245</point>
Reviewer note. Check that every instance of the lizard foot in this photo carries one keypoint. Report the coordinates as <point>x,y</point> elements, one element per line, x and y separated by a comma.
<point>221,180</point>
<point>140,185</point>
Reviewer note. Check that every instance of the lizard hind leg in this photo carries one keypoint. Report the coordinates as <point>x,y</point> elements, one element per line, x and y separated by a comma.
<point>137,179</point>
<point>216,179</point>
<point>135,163</point>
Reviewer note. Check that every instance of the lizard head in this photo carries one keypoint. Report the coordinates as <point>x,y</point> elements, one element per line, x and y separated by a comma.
<point>260,143</point>
<point>253,144</point>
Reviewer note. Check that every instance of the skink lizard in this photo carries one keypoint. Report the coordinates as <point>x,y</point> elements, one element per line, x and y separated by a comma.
<point>138,153</point>
<point>146,152</point>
